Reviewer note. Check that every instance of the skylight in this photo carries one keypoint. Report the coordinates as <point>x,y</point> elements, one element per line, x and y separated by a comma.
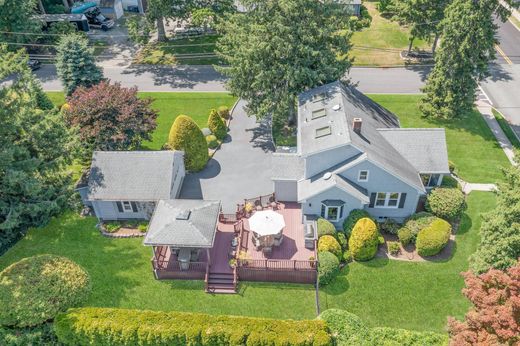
<point>183,215</point>
<point>318,113</point>
<point>319,97</point>
<point>323,131</point>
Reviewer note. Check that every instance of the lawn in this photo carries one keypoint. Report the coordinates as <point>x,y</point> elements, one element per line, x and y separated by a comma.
<point>186,51</point>
<point>417,296</point>
<point>121,275</point>
<point>385,38</point>
<point>508,131</point>
<point>169,105</point>
<point>471,144</point>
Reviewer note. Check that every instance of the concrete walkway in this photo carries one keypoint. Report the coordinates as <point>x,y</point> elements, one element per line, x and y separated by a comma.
<point>487,113</point>
<point>468,187</point>
<point>240,169</point>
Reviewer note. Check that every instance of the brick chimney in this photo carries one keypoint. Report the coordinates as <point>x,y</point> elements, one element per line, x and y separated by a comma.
<point>356,125</point>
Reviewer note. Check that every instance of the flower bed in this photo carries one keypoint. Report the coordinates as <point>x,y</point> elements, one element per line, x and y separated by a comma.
<point>124,229</point>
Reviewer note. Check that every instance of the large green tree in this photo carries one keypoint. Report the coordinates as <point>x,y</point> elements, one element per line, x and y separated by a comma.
<point>279,48</point>
<point>34,150</point>
<point>75,63</point>
<point>468,40</point>
<point>15,18</point>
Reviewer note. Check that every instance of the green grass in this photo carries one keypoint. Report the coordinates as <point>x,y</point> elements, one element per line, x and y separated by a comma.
<point>504,125</point>
<point>411,295</point>
<point>387,38</point>
<point>121,275</point>
<point>186,51</point>
<point>169,105</point>
<point>471,144</point>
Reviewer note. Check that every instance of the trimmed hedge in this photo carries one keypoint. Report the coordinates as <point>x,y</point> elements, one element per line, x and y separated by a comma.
<point>330,244</point>
<point>348,330</point>
<point>325,227</point>
<point>328,267</point>
<point>185,135</point>
<point>35,289</point>
<point>364,240</point>
<point>432,239</point>
<point>104,326</point>
<point>352,218</point>
<point>223,111</point>
<point>446,203</point>
<point>217,125</point>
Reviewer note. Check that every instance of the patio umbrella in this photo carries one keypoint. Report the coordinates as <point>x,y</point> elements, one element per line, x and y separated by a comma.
<point>266,222</point>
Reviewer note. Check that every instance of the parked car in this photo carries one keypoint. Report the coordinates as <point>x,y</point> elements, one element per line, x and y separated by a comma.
<point>34,64</point>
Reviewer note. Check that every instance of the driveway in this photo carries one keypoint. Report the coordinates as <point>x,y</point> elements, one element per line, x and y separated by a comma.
<point>240,169</point>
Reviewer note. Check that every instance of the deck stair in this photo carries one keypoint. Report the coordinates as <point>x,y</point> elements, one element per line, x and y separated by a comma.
<point>221,283</point>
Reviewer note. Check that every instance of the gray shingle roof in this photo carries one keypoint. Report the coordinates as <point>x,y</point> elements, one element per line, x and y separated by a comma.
<point>131,175</point>
<point>286,167</point>
<point>425,149</point>
<point>318,184</point>
<point>198,230</point>
<point>342,104</point>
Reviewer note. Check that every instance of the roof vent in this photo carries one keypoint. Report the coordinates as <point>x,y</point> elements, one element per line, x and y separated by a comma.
<point>336,107</point>
<point>183,215</point>
<point>327,176</point>
<point>356,125</point>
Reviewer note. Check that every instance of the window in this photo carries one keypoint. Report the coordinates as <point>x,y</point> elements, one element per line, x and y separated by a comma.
<point>363,176</point>
<point>430,180</point>
<point>332,210</point>
<point>127,206</point>
<point>387,199</point>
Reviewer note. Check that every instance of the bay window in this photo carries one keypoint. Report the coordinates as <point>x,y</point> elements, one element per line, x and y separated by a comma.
<point>332,210</point>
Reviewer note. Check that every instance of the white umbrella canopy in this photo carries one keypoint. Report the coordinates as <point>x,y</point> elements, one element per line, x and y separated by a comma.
<point>266,222</point>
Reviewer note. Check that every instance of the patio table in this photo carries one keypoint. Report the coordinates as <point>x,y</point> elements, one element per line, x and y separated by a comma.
<point>267,225</point>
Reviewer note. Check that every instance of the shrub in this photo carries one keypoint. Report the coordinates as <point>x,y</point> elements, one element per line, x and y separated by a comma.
<point>389,226</point>
<point>112,227</point>
<point>452,167</point>
<point>328,267</point>
<point>380,240</point>
<point>364,241</point>
<point>342,240</point>
<point>104,326</point>
<point>348,328</point>
<point>325,227</point>
<point>212,141</point>
<point>450,182</point>
<point>393,247</point>
<point>223,111</point>
<point>216,125</point>
<point>35,289</point>
<point>445,203</point>
<point>416,222</point>
<point>185,135</point>
<point>352,218</point>
<point>432,239</point>
<point>142,226</point>
<point>405,236</point>
<point>330,244</point>
<point>42,334</point>
<point>393,336</point>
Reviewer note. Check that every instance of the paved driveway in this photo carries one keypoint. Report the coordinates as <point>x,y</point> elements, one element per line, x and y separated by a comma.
<point>240,169</point>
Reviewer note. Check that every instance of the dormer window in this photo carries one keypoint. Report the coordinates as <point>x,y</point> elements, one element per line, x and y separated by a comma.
<point>323,131</point>
<point>363,175</point>
<point>318,113</point>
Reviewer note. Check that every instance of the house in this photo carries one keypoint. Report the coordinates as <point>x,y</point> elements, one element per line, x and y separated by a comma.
<point>112,9</point>
<point>353,154</point>
<point>123,185</point>
<point>354,5</point>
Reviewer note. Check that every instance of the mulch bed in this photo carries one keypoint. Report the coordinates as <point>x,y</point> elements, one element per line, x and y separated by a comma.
<point>123,232</point>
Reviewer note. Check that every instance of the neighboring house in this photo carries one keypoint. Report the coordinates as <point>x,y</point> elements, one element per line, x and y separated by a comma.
<point>352,154</point>
<point>124,185</point>
<point>355,6</point>
<point>112,9</point>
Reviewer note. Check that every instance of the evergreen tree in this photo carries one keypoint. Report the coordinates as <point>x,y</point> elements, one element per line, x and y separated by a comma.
<point>15,16</point>
<point>216,124</point>
<point>279,48</point>
<point>468,40</point>
<point>34,150</point>
<point>185,135</point>
<point>75,63</point>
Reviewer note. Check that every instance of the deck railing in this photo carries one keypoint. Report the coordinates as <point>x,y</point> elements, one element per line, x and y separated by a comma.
<point>174,266</point>
<point>272,264</point>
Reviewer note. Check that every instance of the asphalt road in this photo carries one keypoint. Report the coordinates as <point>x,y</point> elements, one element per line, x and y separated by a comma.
<point>205,78</point>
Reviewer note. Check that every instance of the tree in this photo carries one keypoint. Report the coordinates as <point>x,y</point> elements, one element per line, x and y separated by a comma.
<point>75,63</point>
<point>422,17</point>
<point>499,246</point>
<point>15,16</point>
<point>495,315</point>
<point>110,117</point>
<point>185,135</point>
<point>203,17</point>
<point>35,147</point>
<point>159,10</point>
<point>279,48</point>
<point>468,40</point>
<point>216,124</point>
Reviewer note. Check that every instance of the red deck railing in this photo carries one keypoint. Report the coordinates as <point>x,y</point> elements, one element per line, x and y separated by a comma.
<point>273,264</point>
<point>173,266</point>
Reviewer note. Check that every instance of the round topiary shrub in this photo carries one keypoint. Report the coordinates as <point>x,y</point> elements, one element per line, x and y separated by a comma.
<point>216,124</point>
<point>35,289</point>
<point>432,239</point>
<point>347,328</point>
<point>446,203</point>
<point>212,141</point>
<point>325,227</point>
<point>405,236</point>
<point>330,244</point>
<point>223,111</point>
<point>185,135</point>
<point>364,240</point>
<point>353,217</point>
<point>328,267</point>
